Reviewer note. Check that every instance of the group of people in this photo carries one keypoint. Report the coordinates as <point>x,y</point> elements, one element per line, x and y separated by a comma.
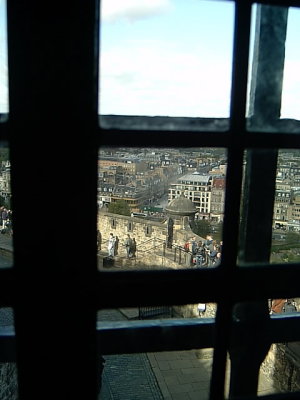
<point>5,219</point>
<point>205,253</point>
<point>113,246</point>
<point>277,306</point>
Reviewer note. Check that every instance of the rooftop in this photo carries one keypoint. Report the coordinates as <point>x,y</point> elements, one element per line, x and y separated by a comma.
<point>195,178</point>
<point>181,206</point>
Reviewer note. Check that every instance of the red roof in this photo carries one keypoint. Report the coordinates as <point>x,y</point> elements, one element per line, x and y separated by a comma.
<point>219,183</point>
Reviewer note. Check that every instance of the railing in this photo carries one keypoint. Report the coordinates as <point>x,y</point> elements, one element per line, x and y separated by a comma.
<point>175,253</point>
<point>153,312</point>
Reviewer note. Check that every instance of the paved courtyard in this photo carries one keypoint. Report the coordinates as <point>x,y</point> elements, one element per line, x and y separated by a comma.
<point>180,375</point>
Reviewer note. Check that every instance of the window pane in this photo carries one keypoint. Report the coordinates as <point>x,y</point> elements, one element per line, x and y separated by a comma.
<point>279,372</point>
<point>286,217</point>
<point>160,208</point>
<point>273,82</point>
<point>270,212</point>
<point>3,62</point>
<point>291,81</point>
<point>154,375</point>
<point>8,367</point>
<point>6,231</point>
<point>166,58</point>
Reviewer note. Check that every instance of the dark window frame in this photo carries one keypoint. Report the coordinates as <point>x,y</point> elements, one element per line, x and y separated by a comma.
<point>80,291</point>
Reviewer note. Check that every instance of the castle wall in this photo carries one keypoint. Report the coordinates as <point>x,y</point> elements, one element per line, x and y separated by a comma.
<point>283,367</point>
<point>142,230</point>
<point>8,381</point>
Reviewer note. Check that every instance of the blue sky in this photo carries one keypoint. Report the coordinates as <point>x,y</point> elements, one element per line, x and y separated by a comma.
<point>170,57</point>
<point>3,59</point>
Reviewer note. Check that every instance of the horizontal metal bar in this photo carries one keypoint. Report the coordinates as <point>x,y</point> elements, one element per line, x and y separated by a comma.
<point>194,286</point>
<point>155,335</point>
<point>7,344</point>
<point>3,127</point>
<point>122,337</point>
<point>136,288</point>
<point>161,123</point>
<point>283,3</point>
<point>282,134</point>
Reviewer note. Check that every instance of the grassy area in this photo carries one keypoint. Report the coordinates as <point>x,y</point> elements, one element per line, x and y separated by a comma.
<point>287,250</point>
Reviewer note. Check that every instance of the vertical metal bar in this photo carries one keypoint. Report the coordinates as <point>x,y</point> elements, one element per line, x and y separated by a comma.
<point>52,78</point>
<point>233,189</point>
<point>268,65</point>
<point>248,347</point>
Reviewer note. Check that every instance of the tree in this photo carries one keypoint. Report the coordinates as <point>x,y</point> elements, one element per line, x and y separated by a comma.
<point>202,228</point>
<point>4,154</point>
<point>119,207</point>
<point>205,227</point>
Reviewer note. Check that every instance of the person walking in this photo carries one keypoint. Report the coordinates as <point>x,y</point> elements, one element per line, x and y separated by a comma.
<point>99,240</point>
<point>111,245</point>
<point>116,246</point>
<point>4,216</point>
<point>128,245</point>
<point>133,248</point>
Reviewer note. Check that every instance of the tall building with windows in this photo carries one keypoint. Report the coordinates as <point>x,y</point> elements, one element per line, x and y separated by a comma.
<point>217,199</point>
<point>196,188</point>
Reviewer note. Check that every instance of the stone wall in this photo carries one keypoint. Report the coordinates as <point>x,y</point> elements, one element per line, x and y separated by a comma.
<point>8,381</point>
<point>191,311</point>
<point>141,229</point>
<point>120,225</point>
<point>282,366</point>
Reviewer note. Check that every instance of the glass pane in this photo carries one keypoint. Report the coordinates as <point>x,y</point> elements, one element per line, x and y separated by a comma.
<point>6,230</point>
<point>284,306</point>
<point>165,58</point>
<point>273,217</point>
<point>8,367</point>
<point>286,216</point>
<point>3,62</point>
<point>291,82</point>
<point>266,381</point>
<point>154,375</point>
<point>252,349</point>
<point>279,372</point>
<point>160,208</point>
<point>273,83</point>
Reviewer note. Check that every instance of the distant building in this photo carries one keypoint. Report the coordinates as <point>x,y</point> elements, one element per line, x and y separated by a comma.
<point>130,165</point>
<point>282,208</point>
<point>109,193</point>
<point>196,188</point>
<point>294,220</point>
<point>5,185</point>
<point>217,199</point>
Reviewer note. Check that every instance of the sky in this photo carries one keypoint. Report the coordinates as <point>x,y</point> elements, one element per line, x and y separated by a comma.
<point>166,57</point>
<point>171,58</point>
<point>3,60</point>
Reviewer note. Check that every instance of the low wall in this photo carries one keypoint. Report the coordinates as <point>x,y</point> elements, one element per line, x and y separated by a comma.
<point>139,228</point>
<point>282,366</point>
<point>120,225</point>
<point>8,381</point>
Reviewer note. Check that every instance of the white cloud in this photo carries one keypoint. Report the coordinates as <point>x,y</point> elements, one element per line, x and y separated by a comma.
<point>3,85</point>
<point>161,79</point>
<point>132,10</point>
<point>290,107</point>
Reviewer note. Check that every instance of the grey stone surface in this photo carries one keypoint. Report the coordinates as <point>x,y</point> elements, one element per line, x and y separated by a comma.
<point>127,376</point>
<point>8,381</point>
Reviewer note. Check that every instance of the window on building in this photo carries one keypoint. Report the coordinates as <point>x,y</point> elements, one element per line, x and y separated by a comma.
<point>63,286</point>
<point>130,227</point>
